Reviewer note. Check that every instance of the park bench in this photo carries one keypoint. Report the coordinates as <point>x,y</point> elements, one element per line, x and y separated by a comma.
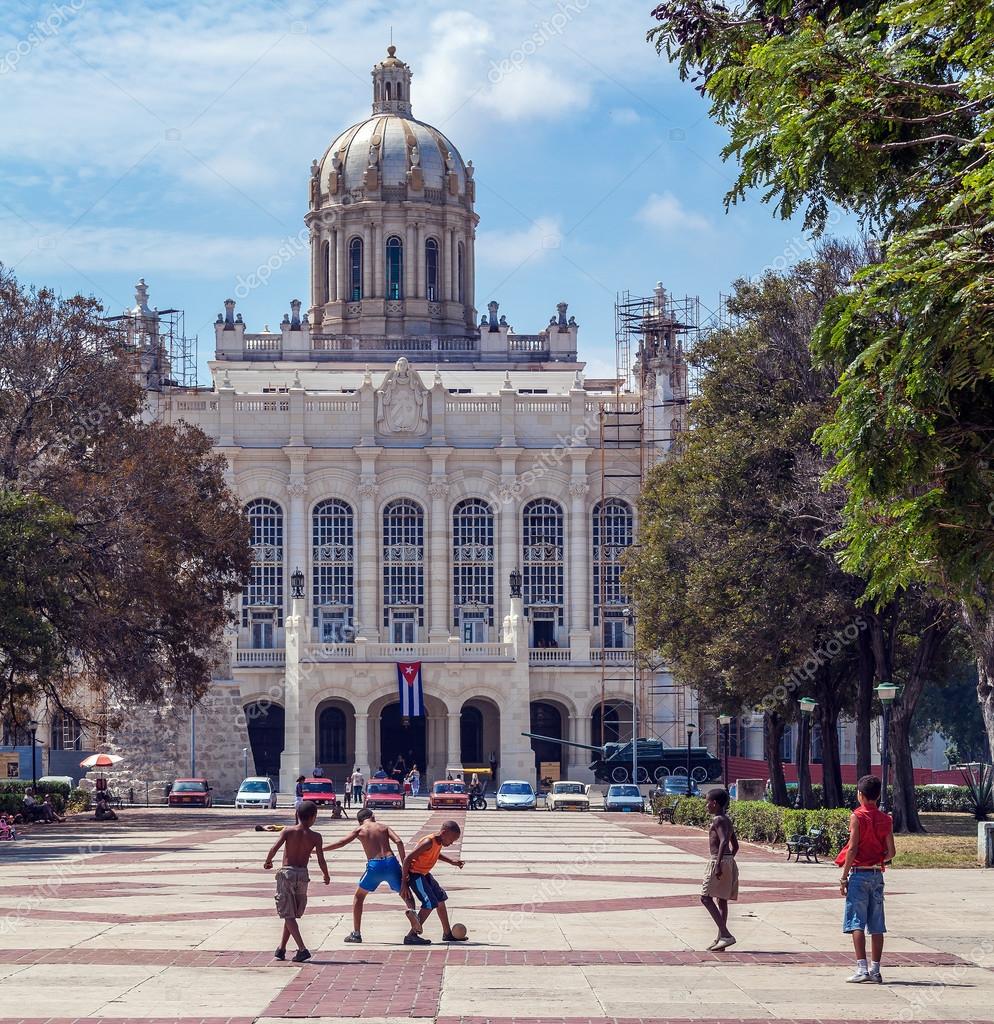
<point>666,812</point>
<point>810,845</point>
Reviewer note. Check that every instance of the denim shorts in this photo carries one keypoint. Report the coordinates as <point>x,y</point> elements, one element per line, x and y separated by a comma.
<point>865,903</point>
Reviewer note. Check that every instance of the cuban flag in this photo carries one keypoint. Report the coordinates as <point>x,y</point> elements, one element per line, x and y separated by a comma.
<point>410,685</point>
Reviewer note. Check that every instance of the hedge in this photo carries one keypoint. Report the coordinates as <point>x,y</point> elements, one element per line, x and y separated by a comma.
<point>12,794</point>
<point>760,822</point>
<point>927,798</point>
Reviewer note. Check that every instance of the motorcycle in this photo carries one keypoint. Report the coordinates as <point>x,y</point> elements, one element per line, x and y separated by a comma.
<point>477,802</point>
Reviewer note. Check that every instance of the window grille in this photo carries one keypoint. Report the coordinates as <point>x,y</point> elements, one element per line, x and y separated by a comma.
<point>332,557</point>
<point>612,536</point>
<point>542,555</point>
<point>473,559</point>
<point>264,588</point>
<point>403,558</point>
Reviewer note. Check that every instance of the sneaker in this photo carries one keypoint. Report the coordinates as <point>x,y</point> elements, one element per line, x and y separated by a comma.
<point>859,977</point>
<point>301,955</point>
<point>449,937</point>
<point>280,954</point>
<point>353,937</point>
<point>416,926</point>
<point>416,940</point>
<point>876,978</point>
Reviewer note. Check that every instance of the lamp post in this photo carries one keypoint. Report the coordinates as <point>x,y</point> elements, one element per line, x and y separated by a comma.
<point>515,583</point>
<point>807,708</point>
<point>297,584</point>
<point>33,727</point>
<point>690,735</point>
<point>725,721</point>
<point>630,619</point>
<point>887,692</point>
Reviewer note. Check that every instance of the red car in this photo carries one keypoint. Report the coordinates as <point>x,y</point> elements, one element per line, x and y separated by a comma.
<point>385,793</point>
<point>448,794</point>
<point>319,791</point>
<point>190,793</point>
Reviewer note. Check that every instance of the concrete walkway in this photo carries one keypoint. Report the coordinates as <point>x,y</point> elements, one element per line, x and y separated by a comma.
<point>168,916</point>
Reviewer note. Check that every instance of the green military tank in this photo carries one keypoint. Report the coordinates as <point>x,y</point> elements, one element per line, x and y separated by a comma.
<point>656,761</point>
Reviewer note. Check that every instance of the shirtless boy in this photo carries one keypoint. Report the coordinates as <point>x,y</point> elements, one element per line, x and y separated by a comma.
<point>298,842</point>
<point>381,866</point>
<point>721,882</point>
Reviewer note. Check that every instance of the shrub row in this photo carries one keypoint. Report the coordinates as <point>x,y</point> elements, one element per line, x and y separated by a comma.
<point>760,822</point>
<point>927,798</point>
<point>12,794</point>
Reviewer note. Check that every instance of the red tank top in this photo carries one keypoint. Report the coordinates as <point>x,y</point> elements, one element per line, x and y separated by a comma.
<point>874,828</point>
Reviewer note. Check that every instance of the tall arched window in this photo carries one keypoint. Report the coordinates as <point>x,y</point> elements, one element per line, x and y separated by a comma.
<point>543,564</point>
<point>67,733</point>
<point>403,569</point>
<point>331,736</point>
<point>395,268</point>
<point>325,271</point>
<point>461,272</point>
<point>388,90</point>
<point>473,568</point>
<point>612,535</point>
<point>431,269</point>
<point>333,569</point>
<point>355,269</point>
<point>263,593</point>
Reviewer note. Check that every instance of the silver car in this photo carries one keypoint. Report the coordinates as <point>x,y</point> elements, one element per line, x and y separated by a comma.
<point>516,795</point>
<point>624,798</point>
<point>256,791</point>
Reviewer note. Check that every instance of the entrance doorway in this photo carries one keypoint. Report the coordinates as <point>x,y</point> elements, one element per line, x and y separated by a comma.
<point>547,720</point>
<point>402,737</point>
<point>264,722</point>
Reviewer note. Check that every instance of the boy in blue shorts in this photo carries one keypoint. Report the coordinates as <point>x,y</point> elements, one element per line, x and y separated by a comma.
<point>381,866</point>
<point>870,847</point>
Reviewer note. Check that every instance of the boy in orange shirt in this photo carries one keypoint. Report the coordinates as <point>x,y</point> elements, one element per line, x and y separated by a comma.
<point>870,847</point>
<point>418,879</point>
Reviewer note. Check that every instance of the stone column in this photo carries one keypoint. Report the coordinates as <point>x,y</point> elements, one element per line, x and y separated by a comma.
<point>470,272</point>
<point>446,257</point>
<point>509,550</point>
<point>341,268</point>
<point>317,297</point>
<point>295,527</point>
<point>579,568</point>
<point>379,277</point>
<point>516,758</point>
<point>420,236</point>
<point>333,293</point>
<point>453,753</point>
<point>367,619</point>
<point>291,758</point>
<point>437,568</point>
<point>362,743</point>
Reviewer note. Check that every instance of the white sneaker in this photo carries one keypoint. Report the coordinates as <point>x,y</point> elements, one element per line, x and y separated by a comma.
<point>876,978</point>
<point>859,977</point>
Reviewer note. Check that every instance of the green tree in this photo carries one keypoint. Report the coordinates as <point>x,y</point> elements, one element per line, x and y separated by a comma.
<point>886,109</point>
<point>122,546</point>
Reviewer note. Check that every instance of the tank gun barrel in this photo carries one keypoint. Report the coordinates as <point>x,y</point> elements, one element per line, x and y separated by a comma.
<point>565,743</point>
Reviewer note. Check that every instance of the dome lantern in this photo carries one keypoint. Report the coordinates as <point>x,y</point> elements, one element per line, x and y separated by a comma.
<point>391,85</point>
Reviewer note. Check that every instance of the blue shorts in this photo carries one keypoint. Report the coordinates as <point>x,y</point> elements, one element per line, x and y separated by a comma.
<point>427,890</point>
<point>383,869</point>
<point>865,903</point>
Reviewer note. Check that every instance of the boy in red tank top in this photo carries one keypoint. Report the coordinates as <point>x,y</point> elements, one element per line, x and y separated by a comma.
<point>870,847</point>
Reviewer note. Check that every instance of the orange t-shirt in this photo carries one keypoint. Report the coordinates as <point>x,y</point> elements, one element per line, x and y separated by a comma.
<point>424,860</point>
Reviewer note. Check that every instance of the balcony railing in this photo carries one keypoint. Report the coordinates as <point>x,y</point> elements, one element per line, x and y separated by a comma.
<point>537,655</point>
<point>259,657</point>
<point>612,655</point>
<point>408,652</point>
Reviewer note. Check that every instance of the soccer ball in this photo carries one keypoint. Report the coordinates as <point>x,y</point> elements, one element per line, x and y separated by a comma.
<point>459,931</point>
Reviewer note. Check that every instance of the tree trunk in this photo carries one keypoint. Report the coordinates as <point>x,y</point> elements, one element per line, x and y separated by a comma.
<point>979,622</point>
<point>902,802</point>
<point>863,707</point>
<point>831,762</point>
<point>773,725</point>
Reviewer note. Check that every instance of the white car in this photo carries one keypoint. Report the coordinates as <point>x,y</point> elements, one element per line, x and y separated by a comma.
<point>516,795</point>
<point>624,798</point>
<point>256,791</point>
<point>567,796</point>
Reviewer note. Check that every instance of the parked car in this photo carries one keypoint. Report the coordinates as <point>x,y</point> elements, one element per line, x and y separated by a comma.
<point>319,791</point>
<point>567,796</point>
<point>448,794</point>
<point>516,795</point>
<point>256,791</point>
<point>385,793</point>
<point>676,785</point>
<point>625,798</point>
<point>190,793</point>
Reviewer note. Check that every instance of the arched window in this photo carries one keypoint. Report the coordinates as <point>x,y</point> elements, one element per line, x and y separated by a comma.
<point>542,560</point>
<point>355,269</point>
<point>67,733</point>
<point>388,90</point>
<point>331,736</point>
<point>612,535</point>
<point>395,268</point>
<point>263,593</point>
<point>332,569</point>
<point>473,568</point>
<point>325,272</point>
<point>431,269</point>
<point>403,568</point>
<point>461,272</point>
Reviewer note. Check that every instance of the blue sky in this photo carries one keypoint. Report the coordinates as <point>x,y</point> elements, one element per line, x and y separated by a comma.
<point>174,142</point>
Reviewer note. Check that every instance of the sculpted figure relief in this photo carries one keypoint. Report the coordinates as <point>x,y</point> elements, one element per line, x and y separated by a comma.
<point>402,402</point>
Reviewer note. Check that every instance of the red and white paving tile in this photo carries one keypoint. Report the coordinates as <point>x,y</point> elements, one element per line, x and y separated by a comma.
<point>168,917</point>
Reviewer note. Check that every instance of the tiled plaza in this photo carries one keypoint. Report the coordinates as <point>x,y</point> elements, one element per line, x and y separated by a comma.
<point>168,916</point>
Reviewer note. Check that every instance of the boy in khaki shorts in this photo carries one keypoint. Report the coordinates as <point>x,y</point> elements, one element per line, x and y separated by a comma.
<point>721,881</point>
<point>298,842</point>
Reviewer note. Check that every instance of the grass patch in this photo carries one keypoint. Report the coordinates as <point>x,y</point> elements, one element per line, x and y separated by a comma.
<point>951,842</point>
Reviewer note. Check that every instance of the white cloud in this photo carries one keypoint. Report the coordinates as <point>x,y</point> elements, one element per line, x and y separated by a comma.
<point>665,211</point>
<point>512,248</point>
<point>625,115</point>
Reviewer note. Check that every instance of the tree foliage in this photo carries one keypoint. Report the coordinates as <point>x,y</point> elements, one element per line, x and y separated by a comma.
<point>121,544</point>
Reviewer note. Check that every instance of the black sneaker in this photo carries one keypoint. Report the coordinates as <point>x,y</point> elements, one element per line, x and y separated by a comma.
<point>353,937</point>
<point>280,954</point>
<point>416,940</point>
<point>449,937</point>
<point>301,955</point>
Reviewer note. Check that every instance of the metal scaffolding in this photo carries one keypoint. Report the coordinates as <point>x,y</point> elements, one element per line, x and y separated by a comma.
<point>164,354</point>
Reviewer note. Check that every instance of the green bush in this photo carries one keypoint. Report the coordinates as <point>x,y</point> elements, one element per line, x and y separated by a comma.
<point>12,794</point>
<point>692,810</point>
<point>943,798</point>
<point>758,821</point>
<point>78,802</point>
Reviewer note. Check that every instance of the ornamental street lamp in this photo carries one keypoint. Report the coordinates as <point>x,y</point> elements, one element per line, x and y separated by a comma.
<point>725,721</point>
<point>515,583</point>
<point>297,583</point>
<point>690,735</point>
<point>33,727</point>
<point>629,614</point>
<point>887,692</point>
<point>807,709</point>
